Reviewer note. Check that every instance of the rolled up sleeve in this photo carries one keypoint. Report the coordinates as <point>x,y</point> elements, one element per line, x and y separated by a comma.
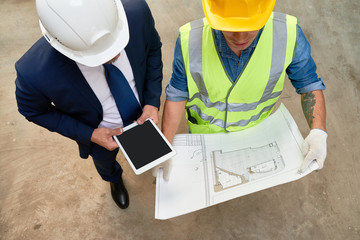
<point>177,89</point>
<point>302,70</point>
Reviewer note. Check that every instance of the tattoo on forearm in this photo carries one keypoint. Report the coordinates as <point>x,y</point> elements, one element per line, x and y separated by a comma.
<point>308,102</point>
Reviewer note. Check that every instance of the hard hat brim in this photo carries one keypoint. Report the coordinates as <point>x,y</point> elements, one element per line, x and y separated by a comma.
<point>237,24</point>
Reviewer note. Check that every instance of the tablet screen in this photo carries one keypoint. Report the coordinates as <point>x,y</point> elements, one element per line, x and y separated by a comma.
<point>143,144</point>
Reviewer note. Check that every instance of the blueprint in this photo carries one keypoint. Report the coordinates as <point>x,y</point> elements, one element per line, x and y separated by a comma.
<point>212,168</point>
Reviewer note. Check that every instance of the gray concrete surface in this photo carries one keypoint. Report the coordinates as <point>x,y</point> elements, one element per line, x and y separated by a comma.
<point>48,192</point>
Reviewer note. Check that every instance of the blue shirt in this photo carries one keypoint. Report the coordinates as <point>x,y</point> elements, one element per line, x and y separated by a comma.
<point>301,71</point>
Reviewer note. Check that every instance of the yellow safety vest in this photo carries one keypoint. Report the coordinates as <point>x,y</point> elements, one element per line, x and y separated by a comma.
<point>216,103</point>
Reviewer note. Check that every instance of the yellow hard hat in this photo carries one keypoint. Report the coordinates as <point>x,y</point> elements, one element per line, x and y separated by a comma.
<point>238,15</point>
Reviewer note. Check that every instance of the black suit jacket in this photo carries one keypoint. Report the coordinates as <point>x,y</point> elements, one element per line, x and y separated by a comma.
<point>52,92</point>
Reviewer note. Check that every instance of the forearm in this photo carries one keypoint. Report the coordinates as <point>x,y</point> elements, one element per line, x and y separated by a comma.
<point>172,115</point>
<point>55,121</point>
<point>313,105</point>
<point>65,125</point>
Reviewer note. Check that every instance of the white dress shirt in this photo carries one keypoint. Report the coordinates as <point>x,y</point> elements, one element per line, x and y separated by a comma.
<point>95,76</point>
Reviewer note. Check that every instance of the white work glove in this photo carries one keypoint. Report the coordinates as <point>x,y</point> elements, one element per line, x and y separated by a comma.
<point>166,167</point>
<point>314,149</point>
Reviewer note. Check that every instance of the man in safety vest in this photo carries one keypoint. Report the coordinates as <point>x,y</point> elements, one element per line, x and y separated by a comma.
<point>229,70</point>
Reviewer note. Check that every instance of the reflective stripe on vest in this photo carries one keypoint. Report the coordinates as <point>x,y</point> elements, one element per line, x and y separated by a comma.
<point>227,111</point>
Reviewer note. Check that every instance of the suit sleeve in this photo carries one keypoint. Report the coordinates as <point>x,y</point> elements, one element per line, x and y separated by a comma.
<point>154,65</point>
<point>37,108</point>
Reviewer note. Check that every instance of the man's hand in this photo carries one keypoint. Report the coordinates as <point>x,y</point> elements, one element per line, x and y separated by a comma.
<point>314,149</point>
<point>166,166</point>
<point>103,137</point>
<point>149,112</point>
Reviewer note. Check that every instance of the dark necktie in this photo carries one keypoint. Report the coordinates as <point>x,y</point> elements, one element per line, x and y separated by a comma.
<point>125,99</point>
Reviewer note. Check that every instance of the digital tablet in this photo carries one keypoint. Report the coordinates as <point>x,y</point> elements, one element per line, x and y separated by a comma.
<point>144,146</point>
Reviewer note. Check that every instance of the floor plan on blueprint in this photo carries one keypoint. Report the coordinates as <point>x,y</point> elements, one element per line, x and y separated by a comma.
<point>212,168</point>
<point>255,163</point>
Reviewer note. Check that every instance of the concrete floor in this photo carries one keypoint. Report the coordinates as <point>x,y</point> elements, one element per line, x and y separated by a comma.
<point>48,192</point>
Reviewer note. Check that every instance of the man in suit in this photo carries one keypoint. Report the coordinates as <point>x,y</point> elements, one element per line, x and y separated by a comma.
<point>62,84</point>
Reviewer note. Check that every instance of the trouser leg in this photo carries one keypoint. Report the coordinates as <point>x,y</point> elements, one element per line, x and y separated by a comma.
<point>106,164</point>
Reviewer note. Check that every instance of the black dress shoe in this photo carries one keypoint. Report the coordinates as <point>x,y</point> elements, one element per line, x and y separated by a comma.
<point>119,194</point>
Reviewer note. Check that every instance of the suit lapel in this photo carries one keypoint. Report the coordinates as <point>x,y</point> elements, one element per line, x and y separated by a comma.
<point>130,54</point>
<point>74,76</point>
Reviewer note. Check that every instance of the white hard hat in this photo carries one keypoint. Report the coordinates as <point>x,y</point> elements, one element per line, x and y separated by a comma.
<point>90,32</point>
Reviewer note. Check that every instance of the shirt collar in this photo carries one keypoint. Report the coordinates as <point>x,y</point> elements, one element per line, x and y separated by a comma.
<point>224,49</point>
